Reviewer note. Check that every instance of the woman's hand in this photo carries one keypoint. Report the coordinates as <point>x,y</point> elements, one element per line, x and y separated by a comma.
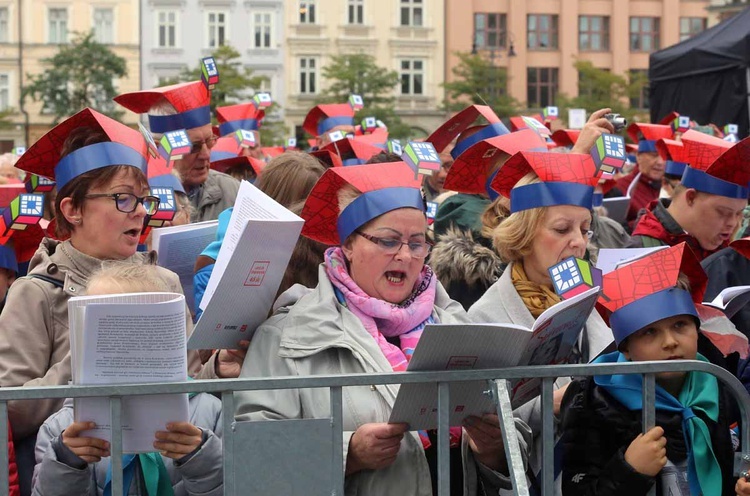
<point>229,362</point>
<point>647,454</point>
<point>374,446</point>
<point>742,488</point>
<point>180,439</point>
<point>88,449</point>
<point>486,440</point>
<point>557,397</point>
<point>595,127</point>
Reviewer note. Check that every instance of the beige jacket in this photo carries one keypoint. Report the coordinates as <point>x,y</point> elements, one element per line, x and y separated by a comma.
<point>34,342</point>
<point>318,336</point>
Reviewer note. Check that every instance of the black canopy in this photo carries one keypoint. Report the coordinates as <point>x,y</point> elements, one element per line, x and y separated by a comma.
<point>705,77</point>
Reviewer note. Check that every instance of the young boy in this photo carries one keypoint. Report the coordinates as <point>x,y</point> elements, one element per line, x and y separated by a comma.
<point>187,458</point>
<point>690,450</point>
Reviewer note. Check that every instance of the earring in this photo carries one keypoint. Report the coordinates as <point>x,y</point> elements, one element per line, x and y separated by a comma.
<point>76,221</point>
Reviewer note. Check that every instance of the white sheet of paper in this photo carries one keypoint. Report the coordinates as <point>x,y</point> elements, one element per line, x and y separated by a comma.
<point>179,246</point>
<point>731,300</point>
<point>122,340</point>
<point>610,258</point>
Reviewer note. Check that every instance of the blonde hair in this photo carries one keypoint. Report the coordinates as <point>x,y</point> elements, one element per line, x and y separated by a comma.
<point>124,277</point>
<point>290,177</point>
<point>493,215</point>
<point>512,239</point>
<point>347,195</point>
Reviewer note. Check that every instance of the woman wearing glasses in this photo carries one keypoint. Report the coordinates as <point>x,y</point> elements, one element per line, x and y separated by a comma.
<point>103,197</point>
<point>374,297</point>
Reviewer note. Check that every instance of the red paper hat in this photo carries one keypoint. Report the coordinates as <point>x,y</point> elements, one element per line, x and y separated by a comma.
<point>669,118</point>
<point>384,187</point>
<point>566,137</point>
<point>323,118</point>
<point>25,243</point>
<point>241,116</point>
<point>566,179</point>
<point>728,175</point>
<point>250,162</point>
<point>646,135</point>
<point>352,151</point>
<point>327,158</point>
<point>272,151</point>
<point>460,122</point>
<point>674,155</point>
<point>470,172</point>
<point>379,137</point>
<point>644,291</point>
<point>126,146</point>
<point>701,150</point>
<point>190,100</point>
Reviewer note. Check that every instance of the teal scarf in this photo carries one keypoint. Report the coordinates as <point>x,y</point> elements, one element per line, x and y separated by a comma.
<point>700,393</point>
<point>154,472</point>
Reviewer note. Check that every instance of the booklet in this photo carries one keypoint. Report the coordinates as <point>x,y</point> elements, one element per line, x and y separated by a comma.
<point>617,208</point>
<point>731,300</point>
<point>259,242</point>
<point>134,338</point>
<point>611,258</point>
<point>178,248</point>
<point>488,346</point>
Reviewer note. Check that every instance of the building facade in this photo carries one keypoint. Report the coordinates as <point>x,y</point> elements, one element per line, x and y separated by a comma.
<point>403,35</point>
<point>538,41</point>
<point>32,30</point>
<point>175,34</point>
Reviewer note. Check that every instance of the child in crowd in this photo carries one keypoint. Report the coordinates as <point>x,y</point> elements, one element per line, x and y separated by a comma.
<point>690,450</point>
<point>187,458</point>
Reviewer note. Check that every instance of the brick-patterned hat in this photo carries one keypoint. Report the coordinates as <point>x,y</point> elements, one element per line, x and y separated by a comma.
<point>715,168</point>
<point>461,122</point>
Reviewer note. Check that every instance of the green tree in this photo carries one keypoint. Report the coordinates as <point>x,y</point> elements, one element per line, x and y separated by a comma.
<point>81,74</point>
<point>476,80</point>
<point>359,74</point>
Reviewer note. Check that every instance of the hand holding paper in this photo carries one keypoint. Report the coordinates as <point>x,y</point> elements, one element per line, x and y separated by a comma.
<point>180,439</point>
<point>89,449</point>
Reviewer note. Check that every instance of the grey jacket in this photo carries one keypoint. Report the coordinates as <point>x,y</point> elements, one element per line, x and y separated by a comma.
<point>201,474</point>
<point>34,340</point>
<point>317,335</point>
<point>214,196</point>
<point>501,303</point>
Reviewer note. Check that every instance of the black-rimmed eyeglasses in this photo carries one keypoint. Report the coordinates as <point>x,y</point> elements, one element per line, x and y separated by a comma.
<point>128,202</point>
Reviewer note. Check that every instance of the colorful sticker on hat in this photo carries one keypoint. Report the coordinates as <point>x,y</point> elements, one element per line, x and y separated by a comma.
<point>731,129</point>
<point>681,124</point>
<point>153,149</point>
<point>356,102</point>
<point>38,184</point>
<point>608,153</point>
<point>291,143</point>
<point>262,100</point>
<point>19,150</point>
<point>731,138</point>
<point>175,144</point>
<point>335,136</point>
<point>394,146</point>
<point>24,211</point>
<point>369,124</point>
<point>574,276</point>
<point>167,206</point>
<point>550,113</point>
<point>422,157</point>
<point>209,72</point>
<point>536,126</point>
<point>431,212</point>
<point>245,138</point>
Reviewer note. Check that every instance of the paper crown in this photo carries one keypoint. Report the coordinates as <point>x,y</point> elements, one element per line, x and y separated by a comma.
<point>125,147</point>
<point>352,151</point>
<point>518,122</point>
<point>384,187</point>
<point>644,291</point>
<point>470,173</point>
<point>272,151</point>
<point>379,137</point>
<point>460,123</point>
<point>223,164</point>
<point>8,258</point>
<point>669,118</point>
<point>241,116</point>
<point>674,155</point>
<point>566,137</point>
<point>323,118</point>
<point>701,150</point>
<point>160,175</point>
<point>727,175</point>
<point>566,179</point>
<point>646,135</point>
<point>20,247</point>
<point>191,101</point>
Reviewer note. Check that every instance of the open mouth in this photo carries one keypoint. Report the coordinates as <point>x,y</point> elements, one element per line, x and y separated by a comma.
<point>395,276</point>
<point>133,232</point>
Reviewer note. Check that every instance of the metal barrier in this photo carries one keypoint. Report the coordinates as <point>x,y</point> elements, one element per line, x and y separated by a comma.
<point>496,380</point>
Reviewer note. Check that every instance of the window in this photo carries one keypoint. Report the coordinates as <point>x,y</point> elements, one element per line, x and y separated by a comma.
<point>307,12</point>
<point>4,91</point>
<point>58,25</point>
<point>542,31</point>
<point>217,29</point>
<point>263,27</point>
<point>308,76</point>
<point>490,31</point>
<point>4,25</point>
<point>104,25</point>
<point>542,86</point>
<point>690,26</point>
<point>411,13</point>
<point>639,79</point>
<point>166,26</point>
<point>593,33</point>
<point>412,77</point>
<point>356,11</point>
<point>644,34</point>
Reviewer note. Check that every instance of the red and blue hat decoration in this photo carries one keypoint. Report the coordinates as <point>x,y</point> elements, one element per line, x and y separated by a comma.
<point>674,155</point>
<point>646,135</point>
<point>325,117</point>
<point>125,147</point>
<point>728,175</point>
<point>353,151</point>
<point>461,126</point>
<point>241,116</point>
<point>565,179</point>
<point>383,187</point>
<point>191,100</point>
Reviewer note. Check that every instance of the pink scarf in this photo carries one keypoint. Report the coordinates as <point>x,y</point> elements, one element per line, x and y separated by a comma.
<point>382,319</point>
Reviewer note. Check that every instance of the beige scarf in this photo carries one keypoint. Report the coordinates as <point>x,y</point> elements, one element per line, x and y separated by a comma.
<point>536,297</point>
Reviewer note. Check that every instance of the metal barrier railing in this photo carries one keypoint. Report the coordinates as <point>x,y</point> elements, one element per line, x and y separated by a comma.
<point>496,380</point>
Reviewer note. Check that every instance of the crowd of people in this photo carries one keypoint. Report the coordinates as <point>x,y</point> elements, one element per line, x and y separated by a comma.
<point>384,253</point>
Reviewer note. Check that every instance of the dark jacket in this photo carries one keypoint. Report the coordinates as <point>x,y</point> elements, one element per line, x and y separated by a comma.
<point>597,430</point>
<point>727,268</point>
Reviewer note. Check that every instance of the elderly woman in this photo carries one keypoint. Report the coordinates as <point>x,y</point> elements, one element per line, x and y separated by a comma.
<point>375,295</point>
<point>550,203</point>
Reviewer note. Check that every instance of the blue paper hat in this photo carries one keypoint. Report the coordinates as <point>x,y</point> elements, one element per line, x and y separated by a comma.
<point>8,258</point>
